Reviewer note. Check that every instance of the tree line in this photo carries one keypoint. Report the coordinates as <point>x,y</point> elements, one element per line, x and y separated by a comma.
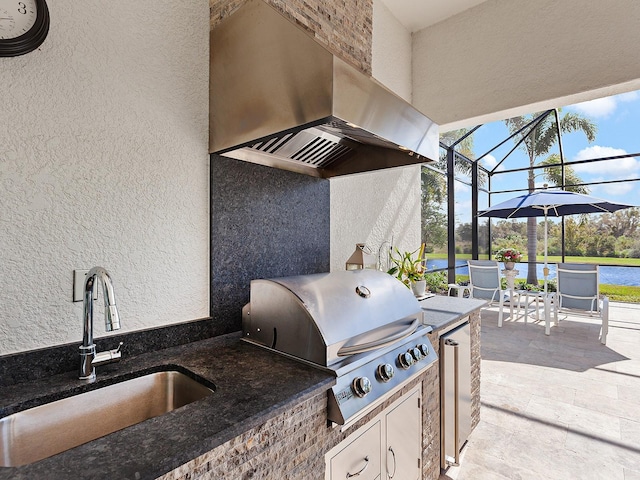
<point>605,235</point>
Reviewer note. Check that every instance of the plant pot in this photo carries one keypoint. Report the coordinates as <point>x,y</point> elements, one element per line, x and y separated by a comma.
<point>509,265</point>
<point>419,288</point>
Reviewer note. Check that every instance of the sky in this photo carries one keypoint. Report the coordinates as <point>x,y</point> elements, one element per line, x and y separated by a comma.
<point>618,133</point>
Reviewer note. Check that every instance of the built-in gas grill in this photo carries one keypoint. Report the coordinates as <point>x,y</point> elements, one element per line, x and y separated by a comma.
<point>363,325</point>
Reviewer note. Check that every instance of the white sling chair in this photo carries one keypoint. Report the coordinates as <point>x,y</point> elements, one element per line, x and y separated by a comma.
<point>579,294</point>
<point>484,283</point>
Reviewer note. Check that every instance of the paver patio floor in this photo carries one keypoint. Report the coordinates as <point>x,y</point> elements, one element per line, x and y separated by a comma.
<point>562,406</point>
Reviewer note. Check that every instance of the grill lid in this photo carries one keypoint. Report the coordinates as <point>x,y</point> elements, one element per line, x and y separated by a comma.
<point>324,317</point>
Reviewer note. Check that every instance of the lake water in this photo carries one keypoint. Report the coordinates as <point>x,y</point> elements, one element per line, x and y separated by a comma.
<point>610,275</point>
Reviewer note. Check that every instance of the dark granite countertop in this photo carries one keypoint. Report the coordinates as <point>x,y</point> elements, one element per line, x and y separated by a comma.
<point>441,311</point>
<point>251,386</point>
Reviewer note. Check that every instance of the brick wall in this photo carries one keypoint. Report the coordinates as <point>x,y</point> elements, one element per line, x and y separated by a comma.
<point>345,27</point>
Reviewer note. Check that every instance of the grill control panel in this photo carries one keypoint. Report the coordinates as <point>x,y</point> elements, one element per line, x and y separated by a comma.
<point>357,389</point>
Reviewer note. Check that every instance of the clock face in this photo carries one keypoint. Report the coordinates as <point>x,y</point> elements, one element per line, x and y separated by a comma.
<point>16,17</point>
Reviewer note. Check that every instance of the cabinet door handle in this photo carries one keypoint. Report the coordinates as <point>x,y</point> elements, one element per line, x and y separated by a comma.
<point>357,474</point>
<point>393,454</point>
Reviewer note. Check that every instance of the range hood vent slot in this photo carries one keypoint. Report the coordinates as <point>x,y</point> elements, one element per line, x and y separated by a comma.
<point>279,98</point>
<point>311,147</point>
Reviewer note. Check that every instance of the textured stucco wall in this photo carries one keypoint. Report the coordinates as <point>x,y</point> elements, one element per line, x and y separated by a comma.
<point>378,207</point>
<point>374,208</point>
<point>103,161</point>
<point>391,52</point>
<point>504,58</point>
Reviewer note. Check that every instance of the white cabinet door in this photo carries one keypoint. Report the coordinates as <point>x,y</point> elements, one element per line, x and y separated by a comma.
<point>360,457</point>
<point>387,448</point>
<point>404,439</point>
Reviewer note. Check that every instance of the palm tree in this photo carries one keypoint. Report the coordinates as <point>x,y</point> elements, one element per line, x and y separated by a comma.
<point>537,143</point>
<point>434,190</point>
<point>465,147</point>
<point>553,175</point>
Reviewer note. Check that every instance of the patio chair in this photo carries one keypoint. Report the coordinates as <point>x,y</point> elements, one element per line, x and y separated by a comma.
<point>579,294</point>
<point>484,283</point>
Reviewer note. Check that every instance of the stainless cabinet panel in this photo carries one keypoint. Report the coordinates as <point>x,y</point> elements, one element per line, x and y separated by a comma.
<point>455,393</point>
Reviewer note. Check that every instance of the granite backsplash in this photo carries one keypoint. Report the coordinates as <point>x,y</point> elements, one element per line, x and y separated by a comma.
<point>265,223</point>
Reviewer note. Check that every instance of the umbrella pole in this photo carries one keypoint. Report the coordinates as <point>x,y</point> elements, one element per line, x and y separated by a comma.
<point>545,270</point>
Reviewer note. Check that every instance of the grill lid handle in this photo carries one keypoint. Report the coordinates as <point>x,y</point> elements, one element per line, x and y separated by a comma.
<point>363,291</point>
<point>379,343</point>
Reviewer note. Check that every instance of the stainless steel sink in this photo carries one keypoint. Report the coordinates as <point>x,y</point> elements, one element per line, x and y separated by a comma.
<point>43,431</point>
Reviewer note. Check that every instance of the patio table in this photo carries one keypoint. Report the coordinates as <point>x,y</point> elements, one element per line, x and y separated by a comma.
<point>547,300</point>
<point>529,296</point>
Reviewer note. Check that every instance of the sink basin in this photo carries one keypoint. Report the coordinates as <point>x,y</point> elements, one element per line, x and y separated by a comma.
<point>43,431</point>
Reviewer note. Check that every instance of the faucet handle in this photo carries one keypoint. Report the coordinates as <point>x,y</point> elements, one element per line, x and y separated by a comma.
<point>108,356</point>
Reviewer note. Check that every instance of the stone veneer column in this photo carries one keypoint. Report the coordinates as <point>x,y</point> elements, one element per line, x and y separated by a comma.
<point>345,27</point>
<point>476,358</point>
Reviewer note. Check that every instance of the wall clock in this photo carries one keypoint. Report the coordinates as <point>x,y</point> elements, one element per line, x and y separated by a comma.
<point>24,25</point>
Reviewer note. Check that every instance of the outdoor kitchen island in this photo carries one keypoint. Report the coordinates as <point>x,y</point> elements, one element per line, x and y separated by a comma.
<point>266,419</point>
<point>293,444</point>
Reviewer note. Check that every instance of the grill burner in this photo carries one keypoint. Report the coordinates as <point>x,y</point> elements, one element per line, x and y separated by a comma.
<point>362,325</point>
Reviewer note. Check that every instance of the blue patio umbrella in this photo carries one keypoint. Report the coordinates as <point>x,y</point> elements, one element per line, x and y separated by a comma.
<point>553,203</point>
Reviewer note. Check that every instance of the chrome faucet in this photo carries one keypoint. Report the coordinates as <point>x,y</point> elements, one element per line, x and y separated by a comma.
<point>88,356</point>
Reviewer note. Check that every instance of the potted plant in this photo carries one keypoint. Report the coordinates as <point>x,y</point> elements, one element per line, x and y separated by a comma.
<point>436,282</point>
<point>410,269</point>
<point>510,256</point>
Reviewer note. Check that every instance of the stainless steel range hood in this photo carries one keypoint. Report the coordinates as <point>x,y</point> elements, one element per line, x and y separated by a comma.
<point>279,98</point>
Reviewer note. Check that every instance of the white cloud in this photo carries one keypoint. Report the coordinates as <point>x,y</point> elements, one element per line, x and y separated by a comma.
<point>599,108</point>
<point>489,162</point>
<point>618,169</point>
<point>604,107</point>
<point>597,151</point>
<point>611,169</point>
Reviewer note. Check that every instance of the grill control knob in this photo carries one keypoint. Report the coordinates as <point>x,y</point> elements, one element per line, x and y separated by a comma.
<point>424,349</point>
<point>385,372</point>
<point>416,353</point>
<point>405,360</point>
<point>361,386</point>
